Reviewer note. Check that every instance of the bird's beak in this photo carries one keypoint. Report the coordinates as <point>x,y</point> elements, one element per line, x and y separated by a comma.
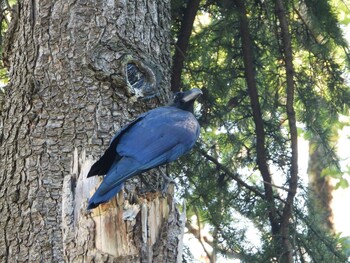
<point>191,95</point>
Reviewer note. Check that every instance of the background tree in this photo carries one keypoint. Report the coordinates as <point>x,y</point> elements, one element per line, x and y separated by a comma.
<point>264,66</point>
<point>78,71</point>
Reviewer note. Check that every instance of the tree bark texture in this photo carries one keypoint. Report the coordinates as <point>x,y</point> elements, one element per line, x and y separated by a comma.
<point>79,70</point>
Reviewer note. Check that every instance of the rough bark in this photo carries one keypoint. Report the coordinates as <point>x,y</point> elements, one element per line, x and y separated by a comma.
<point>79,71</point>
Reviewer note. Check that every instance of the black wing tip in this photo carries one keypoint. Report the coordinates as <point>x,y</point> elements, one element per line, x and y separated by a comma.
<point>92,206</point>
<point>91,173</point>
<point>102,166</point>
<point>98,168</point>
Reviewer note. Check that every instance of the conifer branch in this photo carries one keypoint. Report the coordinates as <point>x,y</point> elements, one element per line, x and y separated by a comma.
<point>287,256</point>
<point>182,43</point>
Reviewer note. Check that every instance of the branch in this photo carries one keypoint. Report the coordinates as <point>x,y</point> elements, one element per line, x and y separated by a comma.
<point>278,187</point>
<point>293,182</point>
<point>201,239</point>
<point>195,231</point>
<point>248,59</point>
<point>230,174</point>
<point>182,43</point>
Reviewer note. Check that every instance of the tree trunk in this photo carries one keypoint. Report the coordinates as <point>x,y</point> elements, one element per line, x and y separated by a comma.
<point>78,72</point>
<point>320,188</point>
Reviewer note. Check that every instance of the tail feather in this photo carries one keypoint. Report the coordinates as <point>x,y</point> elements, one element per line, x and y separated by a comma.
<point>114,179</point>
<point>98,199</point>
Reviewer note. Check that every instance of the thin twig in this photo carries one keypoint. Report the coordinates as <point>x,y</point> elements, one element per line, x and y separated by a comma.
<point>229,173</point>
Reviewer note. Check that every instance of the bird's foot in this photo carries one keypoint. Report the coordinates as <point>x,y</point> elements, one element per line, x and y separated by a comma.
<point>166,181</point>
<point>163,186</point>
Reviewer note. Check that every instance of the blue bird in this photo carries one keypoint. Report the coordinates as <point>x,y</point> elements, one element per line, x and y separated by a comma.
<point>156,137</point>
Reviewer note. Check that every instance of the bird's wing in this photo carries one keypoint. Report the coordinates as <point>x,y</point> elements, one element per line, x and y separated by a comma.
<point>161,137</point>
<point>158,137</point>
<point>128,167</point>
<point>102,166</point>
<point>150,143</point>
<point>126,127</point>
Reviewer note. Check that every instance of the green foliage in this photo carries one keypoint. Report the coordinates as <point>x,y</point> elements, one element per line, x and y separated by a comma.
<point>313,240</point>
<point>5,18</point>
<point>215,64</point>
<point>337,174</point>
<point>324,21</point>
<point>343,13</point>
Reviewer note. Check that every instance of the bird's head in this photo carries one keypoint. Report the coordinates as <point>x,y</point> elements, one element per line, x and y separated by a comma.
<point>185,100</point>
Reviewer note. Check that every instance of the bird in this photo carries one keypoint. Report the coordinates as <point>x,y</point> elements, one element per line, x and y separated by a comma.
<point>155,138</point>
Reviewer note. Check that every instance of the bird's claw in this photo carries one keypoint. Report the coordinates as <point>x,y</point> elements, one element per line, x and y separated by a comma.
<point>166,181</point>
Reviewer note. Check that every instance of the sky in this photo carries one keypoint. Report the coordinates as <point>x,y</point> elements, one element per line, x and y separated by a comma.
<point>341,197</point>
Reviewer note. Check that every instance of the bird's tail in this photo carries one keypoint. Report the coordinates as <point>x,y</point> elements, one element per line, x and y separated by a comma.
<point>113,181</point>
<point>98,199</point>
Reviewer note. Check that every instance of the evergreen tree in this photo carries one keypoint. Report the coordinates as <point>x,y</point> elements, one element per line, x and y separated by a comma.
<point>264,66</point>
